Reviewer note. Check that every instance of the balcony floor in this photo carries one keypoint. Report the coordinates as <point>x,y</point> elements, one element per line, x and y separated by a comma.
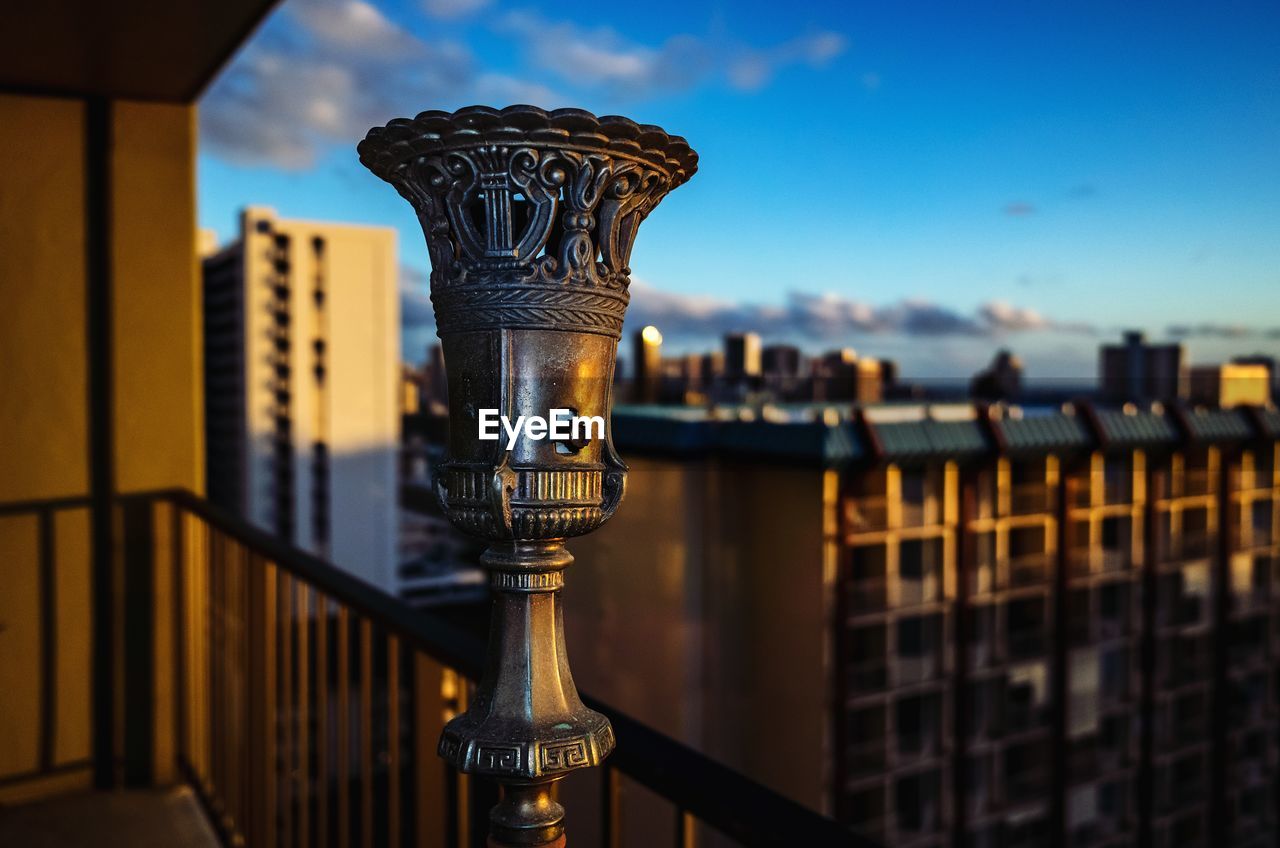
<point>141,819</point>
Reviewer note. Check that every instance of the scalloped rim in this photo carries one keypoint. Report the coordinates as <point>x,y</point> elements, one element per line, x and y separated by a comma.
<point>384,149</point>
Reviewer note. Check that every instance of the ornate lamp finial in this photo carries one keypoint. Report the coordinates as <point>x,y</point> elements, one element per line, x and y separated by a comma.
<point>530,217</point>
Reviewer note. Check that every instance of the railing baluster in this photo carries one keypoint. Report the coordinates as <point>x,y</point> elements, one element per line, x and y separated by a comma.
<point>203,667</point>
<point>236,571</point>
<point>322,694</point>
<point>211,624</point>
<point>250,649</point>
<point>462,782</point>
<point>344,727</point>
<point>218,654</point>
<point>191,635</point>
<point>366,733</point>
<point>685,829</point>
<point>393,743</point>
<point>228,738</point>
<point>263,716</point>
<point>181,627</point>
<point>302,661</point>
<point>287,791</point>
<point>610,795</point>
<point>428,780</point>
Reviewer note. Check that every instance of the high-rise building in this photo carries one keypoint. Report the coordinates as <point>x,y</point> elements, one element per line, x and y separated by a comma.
<point>889,376</point>
<point>1267,362</point>
<point>646,345</point>
<point>1137,371</point>
<point>870,385</point>
<point>1029,627</point>
<point>1230,385</point>
<point>302,370</point>
<point>783,367</point>
<point>781,360</point>
<point>713,367</point>
<point>742,355</point>
<point>835,376</point>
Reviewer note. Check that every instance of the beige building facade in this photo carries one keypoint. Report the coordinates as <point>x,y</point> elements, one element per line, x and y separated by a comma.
<point>302,341</point>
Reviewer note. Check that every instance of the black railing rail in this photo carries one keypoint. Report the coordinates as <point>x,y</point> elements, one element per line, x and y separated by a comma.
<point>286,752</point>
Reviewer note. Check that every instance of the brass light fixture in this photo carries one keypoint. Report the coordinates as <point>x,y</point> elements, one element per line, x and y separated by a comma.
<point>530,217</point>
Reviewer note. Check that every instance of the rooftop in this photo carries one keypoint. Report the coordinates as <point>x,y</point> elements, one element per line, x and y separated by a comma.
<point>836,435</point>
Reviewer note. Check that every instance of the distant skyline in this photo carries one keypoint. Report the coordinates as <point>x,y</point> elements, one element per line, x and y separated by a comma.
<point>918,181</point>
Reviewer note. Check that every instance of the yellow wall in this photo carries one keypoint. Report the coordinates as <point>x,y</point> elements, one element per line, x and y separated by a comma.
<point>157,298</point>
<point>44,417</point>
<point>43,380</point>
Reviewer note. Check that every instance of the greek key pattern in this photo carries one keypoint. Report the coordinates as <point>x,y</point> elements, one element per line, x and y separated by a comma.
<point>498,758</point>
<point>564,756</point>
<point>449,747</point>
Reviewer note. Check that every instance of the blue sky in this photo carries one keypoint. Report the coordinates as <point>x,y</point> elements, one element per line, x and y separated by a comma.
<point>922,181</point>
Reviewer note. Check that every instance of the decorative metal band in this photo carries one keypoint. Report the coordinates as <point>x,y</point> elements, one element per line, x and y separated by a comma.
<point>532,759</point>
<point>543,504</point>
<point>533,488</point>
<point>386,148</point>
<point>554,522</point>
<point>559,486</point>
<point>466,485</point>
<point>465,309</point>
<point>527,581</point>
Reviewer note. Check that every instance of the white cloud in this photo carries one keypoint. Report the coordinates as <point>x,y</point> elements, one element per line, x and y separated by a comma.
<point>344,69</point>
<point>326,71</point>
<point>829,317</point>
<point>450,9</point>
<point>354,26</point>
<point>750,69</point>
<point>601,57</point>
<point>1004,316</point>
<point>501,89</point>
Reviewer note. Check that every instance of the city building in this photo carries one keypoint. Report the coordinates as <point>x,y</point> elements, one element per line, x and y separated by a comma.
<point>302,368</point>
<point>781,360</point>
<point>1233,384</point>
<point>785,372</point>
<point>646,378</point>
<point>1002,380</point>
<point>410,400</point>
<point>434,381</point>
<point>1267,362</point>
<point>1005,628</point>
<point>1137,371</point>
<point>870,385</point>
<point>742,356</point>
<point>842,375</point>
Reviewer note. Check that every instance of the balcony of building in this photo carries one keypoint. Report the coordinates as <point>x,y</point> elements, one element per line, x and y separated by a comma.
<point>1181,781</point>
<point>866,514</point>
<point>1100,813</point>
<point>299,705</point>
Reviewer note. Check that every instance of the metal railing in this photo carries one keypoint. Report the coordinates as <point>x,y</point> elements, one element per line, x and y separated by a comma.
<point>309,704</point>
